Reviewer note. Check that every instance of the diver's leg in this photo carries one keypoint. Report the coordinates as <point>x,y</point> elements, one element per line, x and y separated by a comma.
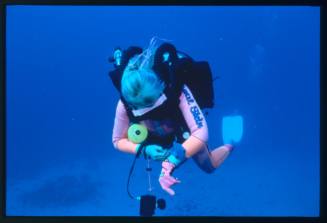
<point>209,161</point>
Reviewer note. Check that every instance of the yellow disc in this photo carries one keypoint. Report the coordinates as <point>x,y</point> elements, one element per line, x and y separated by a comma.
<point>137,133</point>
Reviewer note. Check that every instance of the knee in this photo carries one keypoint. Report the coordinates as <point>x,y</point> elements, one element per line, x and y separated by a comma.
<point>209,170</point>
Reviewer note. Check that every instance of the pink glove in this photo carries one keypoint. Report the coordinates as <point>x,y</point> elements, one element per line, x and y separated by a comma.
<point>165,179</point>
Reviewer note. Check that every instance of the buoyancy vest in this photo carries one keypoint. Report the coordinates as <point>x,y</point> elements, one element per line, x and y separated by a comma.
<point>175,69</point>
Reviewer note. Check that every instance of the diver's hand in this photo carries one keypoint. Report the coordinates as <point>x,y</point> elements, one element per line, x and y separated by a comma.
<point>165,179</point>
<point>156,152</point>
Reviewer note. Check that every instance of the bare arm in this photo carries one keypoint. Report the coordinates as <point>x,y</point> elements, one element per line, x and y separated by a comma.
<point>195,121</point>
<point>119,135</point>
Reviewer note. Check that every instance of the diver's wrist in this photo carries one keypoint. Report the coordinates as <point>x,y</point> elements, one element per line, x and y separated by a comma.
<point>178,155</point>
<point>173,160</point>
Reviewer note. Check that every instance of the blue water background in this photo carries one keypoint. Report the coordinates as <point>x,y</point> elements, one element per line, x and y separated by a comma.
<point>61,106</point>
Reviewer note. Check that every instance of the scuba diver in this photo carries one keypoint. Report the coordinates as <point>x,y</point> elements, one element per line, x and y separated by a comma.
<point>164,90</point>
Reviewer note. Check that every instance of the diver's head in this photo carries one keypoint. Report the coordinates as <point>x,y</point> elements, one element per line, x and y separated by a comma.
<point>140,86</point>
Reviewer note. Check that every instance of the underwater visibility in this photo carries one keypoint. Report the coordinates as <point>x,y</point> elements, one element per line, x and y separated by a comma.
<point>190,111</point>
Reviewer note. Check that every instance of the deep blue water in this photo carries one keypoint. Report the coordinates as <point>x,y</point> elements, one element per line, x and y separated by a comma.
<point>61,106</point>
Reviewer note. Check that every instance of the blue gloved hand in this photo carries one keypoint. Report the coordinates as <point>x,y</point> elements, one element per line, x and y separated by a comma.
<point>155,152</point>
